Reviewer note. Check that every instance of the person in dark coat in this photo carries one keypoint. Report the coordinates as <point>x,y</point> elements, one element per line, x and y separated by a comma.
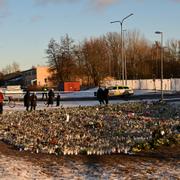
<point>100,93</point>
<point>58,99</point>
<point>33,101</point>
<point>27,100</point>
<point>50,97</point>
<point>106,95</point>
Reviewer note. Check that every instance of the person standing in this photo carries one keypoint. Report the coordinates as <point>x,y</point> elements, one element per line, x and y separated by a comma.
<point>50,97</point>
<point>27,100</point>
<point>1,101</point>
<point>106,95</point>
<point>58,99</point>
<point>100,93</point>
<point>33,101</point>
<point>44,93</point>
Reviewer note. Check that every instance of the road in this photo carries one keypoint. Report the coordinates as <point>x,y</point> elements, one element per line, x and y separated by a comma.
<point>156,96</point>
<point>87,99</point>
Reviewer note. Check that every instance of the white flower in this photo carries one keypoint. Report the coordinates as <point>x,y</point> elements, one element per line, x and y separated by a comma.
<point>67,117</point>
<point>162,132</point>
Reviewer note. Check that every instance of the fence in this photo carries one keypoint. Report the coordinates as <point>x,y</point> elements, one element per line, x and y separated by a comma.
<point>168,84</point>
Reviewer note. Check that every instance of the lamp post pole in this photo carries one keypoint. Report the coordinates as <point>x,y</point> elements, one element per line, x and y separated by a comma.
<point>161,33</point>
<point>124,57</point>
<point>122,60</point>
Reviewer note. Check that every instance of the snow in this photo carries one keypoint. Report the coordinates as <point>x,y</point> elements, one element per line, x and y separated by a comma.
<point>88,93</point>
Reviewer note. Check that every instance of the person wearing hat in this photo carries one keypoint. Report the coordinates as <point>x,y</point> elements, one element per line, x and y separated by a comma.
<point>1,101</point>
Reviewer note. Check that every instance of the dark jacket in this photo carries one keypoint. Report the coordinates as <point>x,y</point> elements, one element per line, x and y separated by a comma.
<point>106,93</point>
<point>27,99</point>
<point>58,98</point>
<point>33,100</point>
<point>50,97</point>
<point>100,94</point>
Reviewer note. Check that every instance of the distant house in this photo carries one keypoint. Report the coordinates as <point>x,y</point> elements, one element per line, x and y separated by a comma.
<point>15,78</point>
<point>38,76</point>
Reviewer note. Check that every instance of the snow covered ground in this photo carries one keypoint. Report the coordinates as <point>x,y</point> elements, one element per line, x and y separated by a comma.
<point>89,93</point>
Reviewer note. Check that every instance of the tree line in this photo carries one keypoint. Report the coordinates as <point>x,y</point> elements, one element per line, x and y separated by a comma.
<point>10,68</point>
<point>96,58</point>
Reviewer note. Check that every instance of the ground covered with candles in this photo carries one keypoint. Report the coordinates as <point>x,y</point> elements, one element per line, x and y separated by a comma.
<point>122,128</point>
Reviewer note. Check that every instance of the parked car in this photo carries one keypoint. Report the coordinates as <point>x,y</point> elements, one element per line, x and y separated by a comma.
<point>120,91</point>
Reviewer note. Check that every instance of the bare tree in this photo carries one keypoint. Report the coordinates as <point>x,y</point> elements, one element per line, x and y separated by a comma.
<point>61,59</point>
<point>172,59</point>
<point>11,68</point>
<point>113,41</point>
<point>138,55</point>
<point>96,59</point>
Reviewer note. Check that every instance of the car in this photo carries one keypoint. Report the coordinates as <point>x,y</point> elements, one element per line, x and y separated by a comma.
<point>120,91</point>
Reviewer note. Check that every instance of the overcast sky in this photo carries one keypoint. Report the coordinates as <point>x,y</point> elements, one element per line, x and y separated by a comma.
<point>26,26</point>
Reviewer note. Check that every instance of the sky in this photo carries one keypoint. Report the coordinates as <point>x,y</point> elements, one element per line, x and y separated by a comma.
<point>26,26</point>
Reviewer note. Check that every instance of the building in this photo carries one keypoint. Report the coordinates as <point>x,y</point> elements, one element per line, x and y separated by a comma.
<point>12,79</point>
<point>36,76</point>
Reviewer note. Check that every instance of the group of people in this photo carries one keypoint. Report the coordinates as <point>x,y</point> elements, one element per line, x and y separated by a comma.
<point>103,95</point>
<point>30,101</point>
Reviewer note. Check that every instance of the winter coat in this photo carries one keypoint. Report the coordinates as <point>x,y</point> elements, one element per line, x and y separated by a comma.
<point>58,98</point>
<point>33,100</point>
<point>106,92</point>
<point>100,94</point>
<point>27,99</point>
<point>50,97</point>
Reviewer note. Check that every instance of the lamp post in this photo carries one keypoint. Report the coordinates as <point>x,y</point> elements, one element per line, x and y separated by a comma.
<point>122,60</point>
<point>125,62</point>
<point>161,33</point>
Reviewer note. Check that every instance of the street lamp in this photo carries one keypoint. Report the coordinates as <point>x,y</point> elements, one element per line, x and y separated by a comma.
<point>161,33</point>
<point>125,62</point>
<point>121,24</point>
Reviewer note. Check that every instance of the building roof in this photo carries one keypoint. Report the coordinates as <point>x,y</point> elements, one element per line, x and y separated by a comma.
<point>12,76</point>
